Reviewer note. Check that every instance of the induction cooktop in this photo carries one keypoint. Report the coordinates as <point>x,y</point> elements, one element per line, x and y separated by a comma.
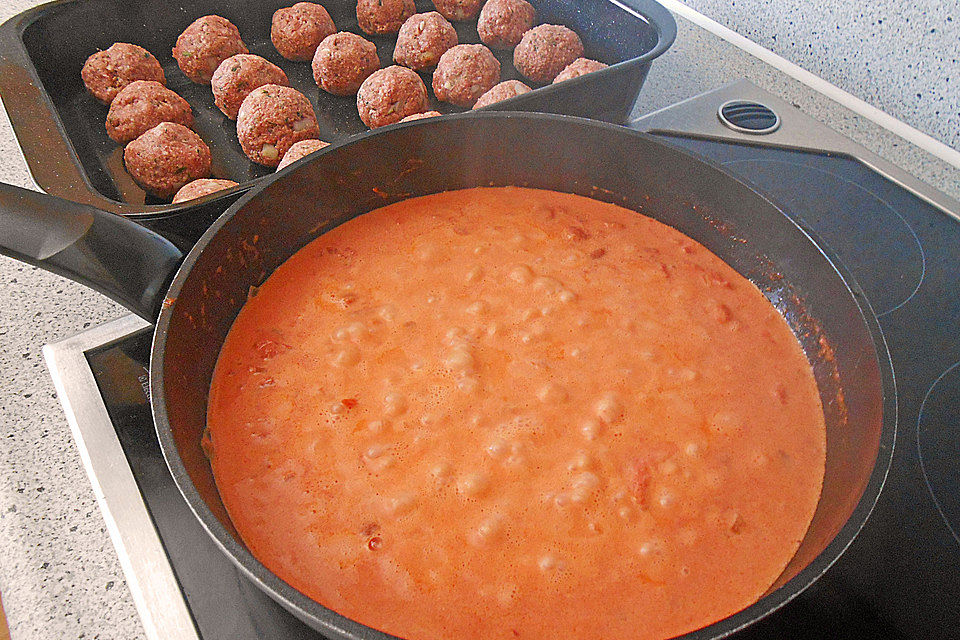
<point>898,237</point>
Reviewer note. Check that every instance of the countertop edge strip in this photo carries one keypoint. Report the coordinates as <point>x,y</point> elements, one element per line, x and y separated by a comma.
<point>156,593</point>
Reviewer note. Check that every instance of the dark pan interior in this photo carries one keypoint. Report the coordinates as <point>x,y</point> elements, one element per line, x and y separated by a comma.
<point>839,336</point>
<point>63,35</point>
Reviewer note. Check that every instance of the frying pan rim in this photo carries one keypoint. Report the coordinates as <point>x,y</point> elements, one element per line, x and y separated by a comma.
<point>319,616</point>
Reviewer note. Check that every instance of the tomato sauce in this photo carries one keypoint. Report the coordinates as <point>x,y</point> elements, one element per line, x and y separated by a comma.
<point>513,413</point>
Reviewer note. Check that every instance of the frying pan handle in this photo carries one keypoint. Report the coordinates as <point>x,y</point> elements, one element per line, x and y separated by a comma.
<point>108,253</point>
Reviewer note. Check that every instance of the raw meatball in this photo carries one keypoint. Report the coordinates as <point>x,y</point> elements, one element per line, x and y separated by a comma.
<point>167,157</point>
<point>504,90</point>
<point>423,38</point>
<point>458,10</point>
<point>301,150</point>
<point>343,61</point>
<point>390,95</point>
<point>202,187</point>
<point>271,119</point>
<point>577,68</point>
<point>105,73</point>
<point>237,76</point>
<point>465,73</point>
<point>421,116</point>
<point>383,16</point>
<point>544,51</point>
<point>142,105</point>
<point>297,31</point>
<point>503,22</point>
<point>206,43</point>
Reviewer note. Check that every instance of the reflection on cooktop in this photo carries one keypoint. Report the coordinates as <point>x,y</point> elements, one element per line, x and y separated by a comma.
<point>938,440</point>
<point>876,244</point>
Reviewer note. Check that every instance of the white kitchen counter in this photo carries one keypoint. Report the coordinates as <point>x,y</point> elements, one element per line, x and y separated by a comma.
<point>900,56</point>
<point>59,574</point>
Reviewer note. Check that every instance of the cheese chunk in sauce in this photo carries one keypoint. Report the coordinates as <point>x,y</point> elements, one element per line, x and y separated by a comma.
<point>512,413</point>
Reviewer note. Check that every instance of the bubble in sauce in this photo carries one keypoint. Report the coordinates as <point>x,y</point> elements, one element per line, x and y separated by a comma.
<point>608,407</point>
<point>473,484</point>
<point>552,393</point>
<point>522,274</point>
<point>394,404</point>
<point>348,356</point>
<point>590,429</point>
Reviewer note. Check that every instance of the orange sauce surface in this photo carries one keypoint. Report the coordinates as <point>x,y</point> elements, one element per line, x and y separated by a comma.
<point>511,413</point>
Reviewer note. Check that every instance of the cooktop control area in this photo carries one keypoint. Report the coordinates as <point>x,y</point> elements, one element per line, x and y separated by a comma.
<point>901,576</point>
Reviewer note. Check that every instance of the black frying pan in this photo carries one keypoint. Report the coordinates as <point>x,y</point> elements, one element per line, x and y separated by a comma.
<point>195,305</point>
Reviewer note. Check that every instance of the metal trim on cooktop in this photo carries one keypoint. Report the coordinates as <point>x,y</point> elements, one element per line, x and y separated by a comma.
<point>153,585</point>
<point>696,117</point>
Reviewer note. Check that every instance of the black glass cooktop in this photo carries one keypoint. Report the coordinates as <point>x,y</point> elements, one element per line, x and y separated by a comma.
<point>901,576</point>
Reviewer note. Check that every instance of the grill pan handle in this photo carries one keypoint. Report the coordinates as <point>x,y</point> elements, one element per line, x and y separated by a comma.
<point>106,252</point>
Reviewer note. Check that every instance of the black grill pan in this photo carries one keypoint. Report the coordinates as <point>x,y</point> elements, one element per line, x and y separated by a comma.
<point>61,128</point>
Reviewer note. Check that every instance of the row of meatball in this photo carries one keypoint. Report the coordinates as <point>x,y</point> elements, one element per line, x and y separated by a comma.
<point>280,119</point>
<point>163,155</point>
<point>540,53</point>
<point>467,75</point>
<point>342,61</point>
<point>276,125</point>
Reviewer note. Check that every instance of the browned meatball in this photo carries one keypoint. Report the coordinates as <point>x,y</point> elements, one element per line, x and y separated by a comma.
<point>237,76</point>
<point>206,43</point>
<point>423,38</point>
<point>297,31</point>
<point>504,90</point>
<point>383,16</point>
<point>465,73</point>
<point>343,61</point>
<point>142,105</point>
<point>577,68</point>
<point>544,51</point>
<point>421,116</point>
<point>167,157</point>
<point>458,10</point>
<point>271,119</point>
<point>301,150</point>
<point>105,73</point>
<point>390,95</point>
<point>202,187</point>
<point>503,22</point>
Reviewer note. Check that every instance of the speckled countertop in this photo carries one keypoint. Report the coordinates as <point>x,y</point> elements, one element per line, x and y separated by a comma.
<point>59,574</point>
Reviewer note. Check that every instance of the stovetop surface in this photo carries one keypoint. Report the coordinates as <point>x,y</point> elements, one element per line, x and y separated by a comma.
<point>901,576</point>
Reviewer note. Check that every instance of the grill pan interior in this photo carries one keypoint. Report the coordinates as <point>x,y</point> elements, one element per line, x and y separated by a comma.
<point>57,38</point>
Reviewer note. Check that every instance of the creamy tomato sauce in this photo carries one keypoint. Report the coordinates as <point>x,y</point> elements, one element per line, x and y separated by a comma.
<point>512,413</point>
